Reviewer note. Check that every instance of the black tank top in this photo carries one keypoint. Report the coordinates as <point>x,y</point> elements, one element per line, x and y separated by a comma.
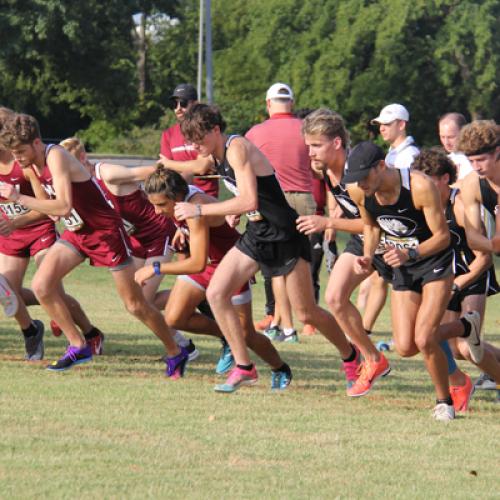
<point>344,201</point>
<point>404,226</point>
<point>462,253</point>
<point>488,195</point>
<point>274,220</point>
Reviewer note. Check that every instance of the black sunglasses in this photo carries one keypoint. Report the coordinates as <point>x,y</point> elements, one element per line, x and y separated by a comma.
<point>183,103</point>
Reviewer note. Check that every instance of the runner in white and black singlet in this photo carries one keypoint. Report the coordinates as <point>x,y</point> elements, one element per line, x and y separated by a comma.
<point>270,239</point>
<point>407,208</point>
<point>327,139</point>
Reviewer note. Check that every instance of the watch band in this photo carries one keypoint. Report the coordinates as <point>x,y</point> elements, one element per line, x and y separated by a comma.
<point>156,267</point>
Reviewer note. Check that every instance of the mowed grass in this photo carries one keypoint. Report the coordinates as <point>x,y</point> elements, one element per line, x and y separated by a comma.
<point>117,428</point>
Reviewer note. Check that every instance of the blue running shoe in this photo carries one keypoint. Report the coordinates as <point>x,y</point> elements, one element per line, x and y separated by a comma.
<point>226,359</point>
<point>273,332</point>
<point>73,356</point>
<point>280,379</point>
<point>177,364</point>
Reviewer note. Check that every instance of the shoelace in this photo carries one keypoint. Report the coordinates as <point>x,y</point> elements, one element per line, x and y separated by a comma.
<point>70,353</point>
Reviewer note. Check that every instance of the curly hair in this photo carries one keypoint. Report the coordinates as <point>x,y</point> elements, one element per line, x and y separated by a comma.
<point>167,182</point>
<point>326,122</point>
<point>199,120</point>
<point>435,163</point>
<point>18,130</point>
<point>479,137</point>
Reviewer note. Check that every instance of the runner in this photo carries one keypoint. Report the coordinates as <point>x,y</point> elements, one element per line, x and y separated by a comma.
<point>95,231</point>
<point>271,241</point>
<point>474,281</point>
<point>328,139</point>
<point>406,207</point>
<point>209,238</point>
<point>24,234</point>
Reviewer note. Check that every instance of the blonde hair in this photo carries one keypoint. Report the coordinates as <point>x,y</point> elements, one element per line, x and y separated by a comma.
<point>326,122</point>
<point>479,137</point>
<point>74,146</point>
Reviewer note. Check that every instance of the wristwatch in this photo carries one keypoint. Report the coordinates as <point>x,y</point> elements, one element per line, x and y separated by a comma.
<point>413,254</point>
<point>156,267</point>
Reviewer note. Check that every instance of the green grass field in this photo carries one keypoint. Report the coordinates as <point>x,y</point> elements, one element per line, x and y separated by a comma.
<point>117,428</point>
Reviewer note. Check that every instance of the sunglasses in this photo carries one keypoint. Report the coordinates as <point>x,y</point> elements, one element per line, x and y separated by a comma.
<point>183,103</point>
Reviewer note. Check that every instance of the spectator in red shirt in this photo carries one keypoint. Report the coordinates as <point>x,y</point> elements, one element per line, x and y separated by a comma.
<point>175,153</point>
<point>280,139</point>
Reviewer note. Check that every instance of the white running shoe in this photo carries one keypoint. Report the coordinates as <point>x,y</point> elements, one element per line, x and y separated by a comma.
<point>485,382</point>
<point>476,347</point>
<point>443,412</point>
<point>8,298</point>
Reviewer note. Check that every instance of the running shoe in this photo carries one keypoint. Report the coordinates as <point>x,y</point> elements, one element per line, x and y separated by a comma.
<point>476,347</point>
<point>461,394</point>
<point>291,338</point>
<point>351,368</point>
<point>308,330</point>
<point>485,382</point>
<point>369,372</point>
<point>264,323</point>
<point>73,356</point>
<point>8,298</point>
<point>176,365</point>
<point>56,329</point>
<point>280,379</point>
<point>34,346</point>
<point>443,412</point>
<point>226,359</point>
<point>96,343</point>
<point>237,378</point>
<point>193,353</point>
<point>272,332</point>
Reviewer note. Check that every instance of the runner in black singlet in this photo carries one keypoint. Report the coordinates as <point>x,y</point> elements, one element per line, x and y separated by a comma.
<point>270,240</point>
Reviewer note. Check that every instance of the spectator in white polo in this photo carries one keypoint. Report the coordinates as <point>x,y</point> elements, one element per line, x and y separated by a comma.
<point>393,121</point>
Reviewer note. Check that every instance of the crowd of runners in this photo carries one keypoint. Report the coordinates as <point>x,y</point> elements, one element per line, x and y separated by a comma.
<point>426,222</point>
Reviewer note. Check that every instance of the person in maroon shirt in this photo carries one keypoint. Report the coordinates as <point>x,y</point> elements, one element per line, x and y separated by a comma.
<point>176,153</point>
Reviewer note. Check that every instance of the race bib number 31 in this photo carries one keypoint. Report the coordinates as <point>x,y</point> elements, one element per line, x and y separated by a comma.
<point>74,222</point>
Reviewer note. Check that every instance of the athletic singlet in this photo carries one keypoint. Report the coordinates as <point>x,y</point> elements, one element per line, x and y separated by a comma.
<point>274,220</point>
<point>463,254</point>
<point>220,239</point>
<point>488,195</point>
<point>89,202</point>
<point>136,210</point>
<point>13,209</point>
<point>404,226</point>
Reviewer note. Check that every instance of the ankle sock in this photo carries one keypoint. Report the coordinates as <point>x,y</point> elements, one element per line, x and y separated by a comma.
<point>448,401</point>
<point>92,333</point>
<point>288,331</point>
<point>352,357</point>
<point>283,368</point>
<point>467,328</point>
<point>245,367</point>
<point>31,331</point>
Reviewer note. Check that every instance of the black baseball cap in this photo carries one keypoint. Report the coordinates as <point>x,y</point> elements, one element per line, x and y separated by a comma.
<point>362,158</point>
<point>185,91</point>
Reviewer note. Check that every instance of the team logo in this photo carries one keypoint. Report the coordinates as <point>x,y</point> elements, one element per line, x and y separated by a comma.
<point>397,226</point>
<point>348,204</point>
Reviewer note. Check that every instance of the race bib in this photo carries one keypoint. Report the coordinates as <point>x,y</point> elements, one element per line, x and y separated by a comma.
<point>400,242</point>
<point>73,222</point>
<point>12,209</point>
<point>254,215</point>
<point>381,246</point>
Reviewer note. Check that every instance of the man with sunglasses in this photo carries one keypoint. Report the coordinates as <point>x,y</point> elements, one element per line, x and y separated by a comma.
<point>178,154</point>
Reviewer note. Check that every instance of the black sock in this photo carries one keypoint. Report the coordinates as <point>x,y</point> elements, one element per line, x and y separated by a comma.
<point>245,367</point>
<point>224,341</point>
<point>448,401</point>
<point>467,328</point>
<point>283,368</point>
<point>352,357</point>
<point>31,331</point>
<point>94,332</point>
<point>368,332</point>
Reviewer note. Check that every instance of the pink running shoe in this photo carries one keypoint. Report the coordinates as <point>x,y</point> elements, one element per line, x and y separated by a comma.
<point>237,378</point>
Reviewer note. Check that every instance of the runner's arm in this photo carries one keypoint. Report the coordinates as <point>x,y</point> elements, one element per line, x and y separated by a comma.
<point>202,165</point>
<point>119,174</point>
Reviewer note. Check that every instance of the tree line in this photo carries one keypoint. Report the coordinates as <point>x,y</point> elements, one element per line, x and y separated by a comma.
<point>107,68</point>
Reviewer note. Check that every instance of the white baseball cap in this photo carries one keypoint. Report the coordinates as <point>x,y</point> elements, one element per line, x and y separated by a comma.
<point>279,91</point>
<point>392,112</point>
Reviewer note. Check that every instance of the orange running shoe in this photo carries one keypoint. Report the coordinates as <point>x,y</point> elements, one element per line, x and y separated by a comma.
<point>264,323</point>
<point>308,330</point>
<point>461,394</point>
<point>370,371</point>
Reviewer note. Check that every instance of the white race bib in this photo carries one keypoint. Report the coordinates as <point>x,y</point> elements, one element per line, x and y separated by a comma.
<point>12,209</point>
<point>73,222</point>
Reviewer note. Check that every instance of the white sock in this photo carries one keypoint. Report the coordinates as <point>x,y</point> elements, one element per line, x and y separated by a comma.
<point>288,331</point>
<point>180,340</point>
